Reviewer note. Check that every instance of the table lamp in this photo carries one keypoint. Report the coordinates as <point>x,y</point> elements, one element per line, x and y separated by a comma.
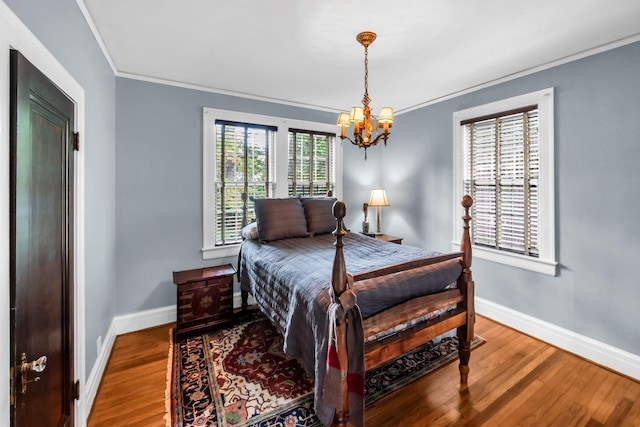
<point>378,199</point>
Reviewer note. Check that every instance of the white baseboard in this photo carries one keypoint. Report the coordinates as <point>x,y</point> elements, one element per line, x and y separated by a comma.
<point>94,378</point>
<point>131,322</point>
<point>603,354</point>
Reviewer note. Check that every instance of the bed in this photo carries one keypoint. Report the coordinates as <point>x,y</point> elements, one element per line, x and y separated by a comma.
<point>345,302</point>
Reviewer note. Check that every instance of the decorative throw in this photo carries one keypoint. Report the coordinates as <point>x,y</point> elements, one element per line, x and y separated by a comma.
<point>345,310</point>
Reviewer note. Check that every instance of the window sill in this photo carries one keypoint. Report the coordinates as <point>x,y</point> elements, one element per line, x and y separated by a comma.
<point>220,252</point>
<point>513,260</point>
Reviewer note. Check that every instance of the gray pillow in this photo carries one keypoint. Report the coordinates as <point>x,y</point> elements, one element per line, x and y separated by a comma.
<point>250,231</point>
<point>280,219</point>
<point>319,214</point>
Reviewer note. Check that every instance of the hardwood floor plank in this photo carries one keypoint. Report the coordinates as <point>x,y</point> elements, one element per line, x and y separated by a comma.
<point>497,415</point>
<point>515,380</point>
<point>600,384</point>
<point>536,412</point>
<point>631,420</point>
<point>511,390</point>
<point>619,413</point>
<point>133,386</point>
<point>571,411</point>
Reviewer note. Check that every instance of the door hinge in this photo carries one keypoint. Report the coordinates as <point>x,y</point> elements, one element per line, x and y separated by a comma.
<point>76,141</point>
<point>76,390</point>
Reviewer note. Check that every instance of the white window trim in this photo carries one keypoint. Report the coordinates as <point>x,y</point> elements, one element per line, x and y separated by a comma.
<point>209,117</point>
<point>546,263</point>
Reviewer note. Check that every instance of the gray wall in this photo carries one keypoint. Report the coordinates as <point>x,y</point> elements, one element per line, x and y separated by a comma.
<point>159,185</point>
<point>597,149</point>
<point>61,27</point>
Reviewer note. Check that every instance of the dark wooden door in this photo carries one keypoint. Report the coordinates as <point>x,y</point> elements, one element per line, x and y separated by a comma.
<point>41,249</point>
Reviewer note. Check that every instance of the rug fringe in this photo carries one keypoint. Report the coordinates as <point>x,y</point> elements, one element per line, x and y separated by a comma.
<point>168,416</point>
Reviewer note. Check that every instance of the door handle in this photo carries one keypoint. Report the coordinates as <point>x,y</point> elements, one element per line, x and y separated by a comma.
<point>37,365</point>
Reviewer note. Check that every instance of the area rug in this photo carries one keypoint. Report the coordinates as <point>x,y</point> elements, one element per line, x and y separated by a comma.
<point>238,376</point>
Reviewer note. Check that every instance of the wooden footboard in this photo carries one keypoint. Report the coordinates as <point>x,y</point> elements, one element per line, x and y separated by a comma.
<point>460,317</point>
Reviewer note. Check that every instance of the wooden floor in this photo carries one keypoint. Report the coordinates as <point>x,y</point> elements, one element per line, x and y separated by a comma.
<point>514,380</point>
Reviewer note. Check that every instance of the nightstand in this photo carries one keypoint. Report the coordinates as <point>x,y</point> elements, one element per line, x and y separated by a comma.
<point>385,237</point>
<point>204,298</point>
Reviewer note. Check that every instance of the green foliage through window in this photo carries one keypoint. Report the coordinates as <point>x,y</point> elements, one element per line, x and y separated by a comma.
<point>244,159</point>
<point>311,163</point>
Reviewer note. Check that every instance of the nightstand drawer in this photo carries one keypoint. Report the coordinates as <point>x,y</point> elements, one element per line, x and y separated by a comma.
<point>204,300</point>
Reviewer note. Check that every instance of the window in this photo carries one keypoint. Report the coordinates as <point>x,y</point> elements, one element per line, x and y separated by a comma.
<point>504,160</point>
<point>243,165</point>
<point>261,156</point>
<point>310,163</point>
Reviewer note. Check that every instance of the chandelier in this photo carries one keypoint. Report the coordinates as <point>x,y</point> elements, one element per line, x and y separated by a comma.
<point>367,129</point>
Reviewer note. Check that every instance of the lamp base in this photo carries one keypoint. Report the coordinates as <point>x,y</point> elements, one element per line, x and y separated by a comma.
<point>378,215</point>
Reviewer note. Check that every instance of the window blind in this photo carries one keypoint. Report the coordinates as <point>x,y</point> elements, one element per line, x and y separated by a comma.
<point>311,163</point>
<point>244,164</point>
<point>501,173</point>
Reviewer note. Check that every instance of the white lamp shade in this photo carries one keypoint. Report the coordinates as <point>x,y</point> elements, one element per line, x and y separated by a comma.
<point>386,115</point>
<point>357,114</point>
<point>343,119</point>
<point>378,198</point>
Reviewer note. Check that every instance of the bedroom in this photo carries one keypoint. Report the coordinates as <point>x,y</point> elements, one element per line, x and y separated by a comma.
<point>143,205</point>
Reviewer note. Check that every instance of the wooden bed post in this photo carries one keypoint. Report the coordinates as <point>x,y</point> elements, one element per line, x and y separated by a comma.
<point>244,295</point>
<point>338,287</point>
<point>466,286</point>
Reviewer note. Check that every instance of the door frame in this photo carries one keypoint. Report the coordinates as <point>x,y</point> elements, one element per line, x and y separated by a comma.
<point>15,35</point>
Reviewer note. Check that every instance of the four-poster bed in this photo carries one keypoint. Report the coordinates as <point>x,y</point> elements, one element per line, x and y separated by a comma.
<point>347,309</point>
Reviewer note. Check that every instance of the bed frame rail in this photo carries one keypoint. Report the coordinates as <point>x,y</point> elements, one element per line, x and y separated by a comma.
<point>409,310</point>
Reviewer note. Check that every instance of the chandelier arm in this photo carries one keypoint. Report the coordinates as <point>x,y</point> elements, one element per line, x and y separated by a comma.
<point>382,136</point>
<point>358,140</point>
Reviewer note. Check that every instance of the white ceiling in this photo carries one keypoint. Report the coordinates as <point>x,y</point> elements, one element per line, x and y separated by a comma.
<point>304,52</point>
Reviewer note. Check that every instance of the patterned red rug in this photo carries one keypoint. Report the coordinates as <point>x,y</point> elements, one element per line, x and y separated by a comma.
<point>239,376</point>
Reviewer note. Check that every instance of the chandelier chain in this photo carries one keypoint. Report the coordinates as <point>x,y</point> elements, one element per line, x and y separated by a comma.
<point>366,99</point>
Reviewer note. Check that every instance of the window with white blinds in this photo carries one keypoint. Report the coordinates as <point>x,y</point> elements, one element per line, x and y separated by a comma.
<point>501,174</point>
<point>311,163</point>
<point>244,162</point>
<point>504,156</point>
<point>262,156</point>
